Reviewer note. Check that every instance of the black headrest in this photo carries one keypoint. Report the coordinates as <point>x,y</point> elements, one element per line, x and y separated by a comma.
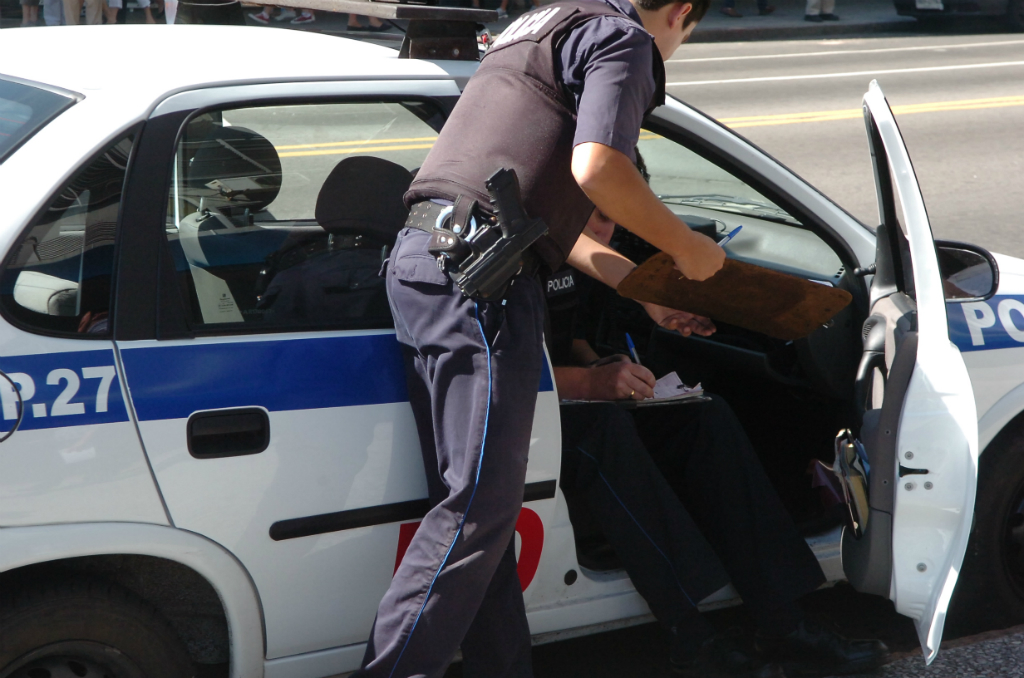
<point>364,194</point>
<point>232,167</point>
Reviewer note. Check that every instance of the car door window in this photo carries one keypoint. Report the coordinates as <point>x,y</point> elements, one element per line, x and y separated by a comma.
<point>56,280</point>
<point>252,248</point>
<point>708,196</point>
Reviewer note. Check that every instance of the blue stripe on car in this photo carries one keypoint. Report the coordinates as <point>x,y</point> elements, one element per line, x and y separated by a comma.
<point>172,382</point>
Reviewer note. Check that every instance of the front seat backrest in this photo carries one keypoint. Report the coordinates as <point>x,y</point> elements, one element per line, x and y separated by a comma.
<point>363,195</point>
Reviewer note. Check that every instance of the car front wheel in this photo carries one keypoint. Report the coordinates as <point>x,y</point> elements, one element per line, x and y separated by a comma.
<point>990,592</point>
<point>87,629</point>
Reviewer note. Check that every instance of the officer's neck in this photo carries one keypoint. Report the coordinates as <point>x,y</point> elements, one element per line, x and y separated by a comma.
<point>666,25</point>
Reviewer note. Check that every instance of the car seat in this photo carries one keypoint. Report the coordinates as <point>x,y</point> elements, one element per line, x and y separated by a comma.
<point>333,277</point>
<point>229,174</point>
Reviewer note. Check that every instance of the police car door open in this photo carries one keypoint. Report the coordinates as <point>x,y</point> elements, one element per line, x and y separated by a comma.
<point>931,478</point>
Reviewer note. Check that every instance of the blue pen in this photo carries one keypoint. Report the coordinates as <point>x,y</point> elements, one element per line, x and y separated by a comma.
<point>732,234</point>
<point>632,348</point>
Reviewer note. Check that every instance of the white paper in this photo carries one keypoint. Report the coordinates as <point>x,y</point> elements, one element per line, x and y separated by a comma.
<point>671,386</point>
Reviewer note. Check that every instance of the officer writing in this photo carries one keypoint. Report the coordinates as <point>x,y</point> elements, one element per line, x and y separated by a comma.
<point>559,99</point>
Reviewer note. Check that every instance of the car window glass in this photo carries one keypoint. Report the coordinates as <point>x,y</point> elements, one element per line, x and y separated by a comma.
<point>715,201</point>
<point>251,245</point>
<point>24,110</point>
<point>57,279</point>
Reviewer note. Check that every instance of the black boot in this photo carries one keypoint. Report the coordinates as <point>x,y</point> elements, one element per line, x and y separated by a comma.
<point>811,650</point>
<point>721,656</point>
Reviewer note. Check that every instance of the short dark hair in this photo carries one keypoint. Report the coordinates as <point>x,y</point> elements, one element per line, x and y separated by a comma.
<point>700,8</point>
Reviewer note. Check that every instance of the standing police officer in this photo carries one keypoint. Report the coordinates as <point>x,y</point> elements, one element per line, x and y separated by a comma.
<point>559,99</point>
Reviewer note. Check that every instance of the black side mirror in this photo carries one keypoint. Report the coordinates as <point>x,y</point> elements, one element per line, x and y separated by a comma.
<point>969,272</point>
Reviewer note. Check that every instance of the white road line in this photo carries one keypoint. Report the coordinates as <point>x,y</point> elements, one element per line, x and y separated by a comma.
<point>821,76</point>
<point>919,48</point>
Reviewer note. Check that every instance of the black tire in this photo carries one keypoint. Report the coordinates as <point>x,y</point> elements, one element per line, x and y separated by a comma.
<point>990,591</point>
<point>87,629</point>
<point>1015,15</point>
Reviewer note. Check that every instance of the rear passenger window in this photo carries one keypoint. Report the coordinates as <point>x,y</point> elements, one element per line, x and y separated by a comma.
<point>280,217</point>
<point>57,278</point>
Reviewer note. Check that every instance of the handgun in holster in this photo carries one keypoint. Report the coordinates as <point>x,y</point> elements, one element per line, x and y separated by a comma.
<point>482,253</point>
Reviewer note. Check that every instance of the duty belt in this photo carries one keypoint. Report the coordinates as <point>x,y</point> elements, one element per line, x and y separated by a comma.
<point>424,215</point>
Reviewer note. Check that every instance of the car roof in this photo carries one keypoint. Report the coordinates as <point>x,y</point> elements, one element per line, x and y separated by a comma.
<point>146,62</point>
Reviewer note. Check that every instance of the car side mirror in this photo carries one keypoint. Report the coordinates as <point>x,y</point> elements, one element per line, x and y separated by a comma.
<point>969,272</point>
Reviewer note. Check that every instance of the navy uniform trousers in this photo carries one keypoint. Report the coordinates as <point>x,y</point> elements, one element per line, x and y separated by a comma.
<point>682,498</point>
<point>473,372</point>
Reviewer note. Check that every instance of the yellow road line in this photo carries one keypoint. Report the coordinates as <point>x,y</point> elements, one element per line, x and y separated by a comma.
<point>852,113</point>
<point>361,149</point>
<point>384,145</point>
<point>367,142</point>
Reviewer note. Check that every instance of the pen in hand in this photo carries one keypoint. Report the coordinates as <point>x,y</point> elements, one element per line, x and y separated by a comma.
<point>725,241</point>
<point>729,236</point>
<point>632,349</point>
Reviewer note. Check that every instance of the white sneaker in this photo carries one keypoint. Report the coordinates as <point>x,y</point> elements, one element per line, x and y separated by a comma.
<point>285,14</point>
<point>502,14</point>
<point>262,18</point>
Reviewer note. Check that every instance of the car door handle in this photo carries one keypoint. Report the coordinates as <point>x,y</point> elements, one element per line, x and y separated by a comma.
<point>228,433</point>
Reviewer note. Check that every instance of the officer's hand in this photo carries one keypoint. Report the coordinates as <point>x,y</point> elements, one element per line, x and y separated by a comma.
<point>700,257</point>
<point>621,381</point>
<point>680,321</point>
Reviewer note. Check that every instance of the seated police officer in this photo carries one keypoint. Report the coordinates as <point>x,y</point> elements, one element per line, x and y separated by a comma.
<point>681,496</point>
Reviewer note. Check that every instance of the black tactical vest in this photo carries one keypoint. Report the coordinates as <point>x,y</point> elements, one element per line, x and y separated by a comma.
<point>516,113</point>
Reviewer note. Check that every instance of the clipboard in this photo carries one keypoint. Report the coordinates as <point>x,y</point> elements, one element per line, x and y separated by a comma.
<point>741,294</point>
<point>650,402</point>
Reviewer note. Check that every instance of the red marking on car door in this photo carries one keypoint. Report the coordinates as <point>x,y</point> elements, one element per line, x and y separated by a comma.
<point>531,531</point>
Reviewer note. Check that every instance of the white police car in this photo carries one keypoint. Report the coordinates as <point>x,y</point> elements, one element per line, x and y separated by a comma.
<point>203,474</point>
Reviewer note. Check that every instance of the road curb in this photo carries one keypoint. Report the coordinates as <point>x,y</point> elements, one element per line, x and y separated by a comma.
<point>811,30</point>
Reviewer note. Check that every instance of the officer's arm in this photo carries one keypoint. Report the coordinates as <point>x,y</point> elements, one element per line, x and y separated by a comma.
<point>612,182</point>
<point>605,264</point>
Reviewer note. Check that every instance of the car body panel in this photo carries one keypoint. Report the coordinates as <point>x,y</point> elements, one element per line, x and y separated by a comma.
<point>20,546</point>
<point>76,456</point>
<point>342,438</point>
<point>938,428</point>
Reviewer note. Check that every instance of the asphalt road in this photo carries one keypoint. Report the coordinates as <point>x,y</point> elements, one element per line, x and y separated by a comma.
<point>959,100</point>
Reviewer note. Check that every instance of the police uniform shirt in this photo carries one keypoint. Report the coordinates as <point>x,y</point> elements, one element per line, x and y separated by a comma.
<point>612,56</point>
<point>563,75</point>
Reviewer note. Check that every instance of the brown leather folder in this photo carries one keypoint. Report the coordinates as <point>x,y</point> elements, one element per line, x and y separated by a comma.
<point>748,296</point>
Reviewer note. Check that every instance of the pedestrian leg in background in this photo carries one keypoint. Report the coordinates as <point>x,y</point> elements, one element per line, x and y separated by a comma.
<point>729,9</point>
<point>72,12</point>
<point>110,10</point>
<point>29,13</point>
<point>170,10</point>
<point>820,10</point>
<point>94,12</point>
<point>473,372</point>
<point>53,12</point>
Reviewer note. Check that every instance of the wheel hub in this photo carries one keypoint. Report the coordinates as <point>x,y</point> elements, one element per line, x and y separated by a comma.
<point>73,659</point>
